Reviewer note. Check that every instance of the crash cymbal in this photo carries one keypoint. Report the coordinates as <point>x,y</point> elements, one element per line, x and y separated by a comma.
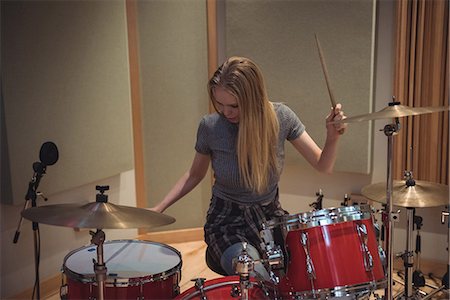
<point>422,194</point>
<point>101,215</point>
<point>394,111</point>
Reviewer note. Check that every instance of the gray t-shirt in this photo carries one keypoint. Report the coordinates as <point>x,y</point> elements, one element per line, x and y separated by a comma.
<point>217,137</point>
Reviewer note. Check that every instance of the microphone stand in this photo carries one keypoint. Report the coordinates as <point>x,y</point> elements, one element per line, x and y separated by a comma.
<point>31,195</point>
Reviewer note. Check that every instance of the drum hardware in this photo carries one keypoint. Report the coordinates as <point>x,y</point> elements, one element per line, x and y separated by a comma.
<point>418,278</point>
<point>347,199</point>
<point>199,282</point>
<point>273,254</point>
<point>100,269</point>
<point>412,279</point>
<point>367,256</point>
<point>317,205</point>
<point>445,278</point>
<point>243,265</point>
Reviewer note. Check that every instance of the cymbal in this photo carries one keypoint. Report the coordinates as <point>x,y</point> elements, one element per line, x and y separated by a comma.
<point>423,194</point>
<point>100,215</point>
<point>395,111</point>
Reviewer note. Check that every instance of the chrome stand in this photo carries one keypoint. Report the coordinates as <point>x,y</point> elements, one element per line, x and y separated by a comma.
<point>445,279</point>
<point>389,216</point>
<point>100,269</point>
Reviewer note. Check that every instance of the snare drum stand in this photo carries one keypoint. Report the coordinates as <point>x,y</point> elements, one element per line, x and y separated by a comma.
<point>243,265</point>
<point>100,269</point>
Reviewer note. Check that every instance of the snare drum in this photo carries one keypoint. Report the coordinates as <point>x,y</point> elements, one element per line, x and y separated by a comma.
<point>330,253</point>
<point>227,287</point>
<point>135,270</point>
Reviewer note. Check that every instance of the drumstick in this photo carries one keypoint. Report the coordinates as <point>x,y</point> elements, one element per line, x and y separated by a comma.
<point>325,72</point>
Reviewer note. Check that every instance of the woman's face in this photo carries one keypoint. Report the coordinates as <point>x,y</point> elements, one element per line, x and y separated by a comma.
<point>226,104</point>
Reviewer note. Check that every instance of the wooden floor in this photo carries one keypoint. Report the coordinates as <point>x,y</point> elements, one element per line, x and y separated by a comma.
<point>194,266</point>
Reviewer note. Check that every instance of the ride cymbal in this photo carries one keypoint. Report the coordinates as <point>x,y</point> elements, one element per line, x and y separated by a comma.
<point>394,111</point>
<point>422,194</point>
<point>101,215</point>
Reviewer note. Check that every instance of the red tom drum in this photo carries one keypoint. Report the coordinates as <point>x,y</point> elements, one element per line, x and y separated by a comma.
<point>227,287</point>
<point>330,253</point>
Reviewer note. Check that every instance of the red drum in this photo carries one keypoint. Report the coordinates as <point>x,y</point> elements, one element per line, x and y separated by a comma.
<point>135,270</point>
<point>227,288</point>
<point>331,253</point>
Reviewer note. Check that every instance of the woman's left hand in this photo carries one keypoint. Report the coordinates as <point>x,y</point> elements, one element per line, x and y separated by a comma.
<point>336,114</point>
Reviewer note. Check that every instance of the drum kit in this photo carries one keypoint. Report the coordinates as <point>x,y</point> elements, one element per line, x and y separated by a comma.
<point>322,254</point>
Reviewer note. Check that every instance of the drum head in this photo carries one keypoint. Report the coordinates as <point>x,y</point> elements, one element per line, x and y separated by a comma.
<point>124,259</point>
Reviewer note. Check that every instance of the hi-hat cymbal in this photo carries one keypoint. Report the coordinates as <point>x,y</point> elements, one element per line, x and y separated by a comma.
<point>100,215</point>
<point>394,111</point>
<point>422,194</point>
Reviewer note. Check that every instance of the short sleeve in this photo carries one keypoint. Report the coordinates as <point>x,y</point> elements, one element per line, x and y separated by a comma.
<point>292,124</point>
<point>201,144</point>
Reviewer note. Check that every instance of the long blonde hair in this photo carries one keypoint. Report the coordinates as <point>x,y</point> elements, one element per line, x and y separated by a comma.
<point>258,124</point>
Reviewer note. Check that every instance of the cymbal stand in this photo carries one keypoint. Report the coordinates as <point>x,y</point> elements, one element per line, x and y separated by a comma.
<point>445,278</point>
<point>417,277</point>
<point>388,215</point>
<point>413,279</point>
<point>100,269</point>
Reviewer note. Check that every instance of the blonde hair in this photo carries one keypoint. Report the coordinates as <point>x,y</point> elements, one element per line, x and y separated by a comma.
<point>258,124</point>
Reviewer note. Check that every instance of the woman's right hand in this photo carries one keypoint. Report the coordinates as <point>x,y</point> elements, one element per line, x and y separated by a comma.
<point>155,209</point>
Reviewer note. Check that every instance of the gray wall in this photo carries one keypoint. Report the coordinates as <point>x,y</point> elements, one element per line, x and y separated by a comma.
<point>279,36</point>
<point>174,73</point>
<point>65,79</point>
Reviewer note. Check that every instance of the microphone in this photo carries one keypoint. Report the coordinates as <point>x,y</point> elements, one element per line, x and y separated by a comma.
<point>48,153</point>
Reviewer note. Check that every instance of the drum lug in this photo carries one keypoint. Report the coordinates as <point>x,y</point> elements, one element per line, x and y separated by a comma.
<point>199,286</point>
<point>63,291</point>
<point>363,237</point>
<point>176,290</point>
<point>235,291</point>
<point>309,263</point>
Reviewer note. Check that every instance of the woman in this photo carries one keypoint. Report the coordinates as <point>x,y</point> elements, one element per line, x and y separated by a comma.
<point>244,141</point>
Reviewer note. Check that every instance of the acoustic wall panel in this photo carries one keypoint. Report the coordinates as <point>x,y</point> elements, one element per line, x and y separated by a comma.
<point>279,36</point>
<point>173,63</point>
<point>65,79</point>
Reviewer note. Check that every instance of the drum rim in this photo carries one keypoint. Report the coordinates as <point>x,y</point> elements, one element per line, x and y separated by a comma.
<point>326,216</point>
<point>125,281</point>
<point>338,291</point>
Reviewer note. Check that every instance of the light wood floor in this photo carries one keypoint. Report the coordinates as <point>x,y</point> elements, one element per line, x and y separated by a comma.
<point>194,266</point>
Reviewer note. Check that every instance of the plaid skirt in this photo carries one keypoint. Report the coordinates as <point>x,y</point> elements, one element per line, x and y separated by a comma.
<point>228,223</point>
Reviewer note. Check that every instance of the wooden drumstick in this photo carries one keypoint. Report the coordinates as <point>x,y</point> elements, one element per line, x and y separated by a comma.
<point>325,72</point>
